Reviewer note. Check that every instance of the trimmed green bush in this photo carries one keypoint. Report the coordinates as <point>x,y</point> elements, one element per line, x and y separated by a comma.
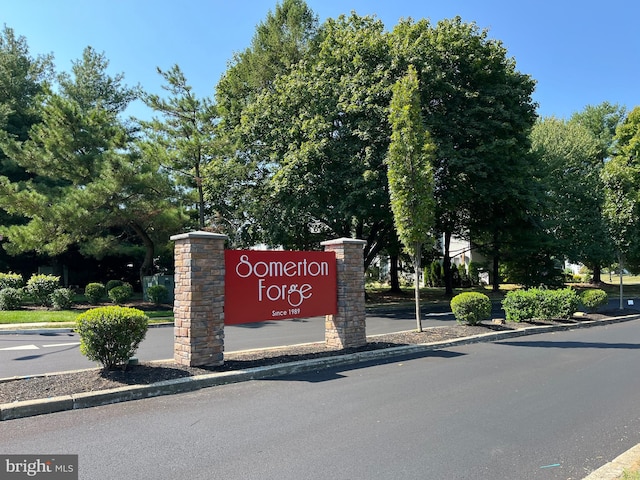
<point>471,307</point>
<point>11,280</point>
<point>111,335</point>
<point>40,288</point>
<point>113,283</point>
<point>594,298</point>
<point>540,304</point>
<point>157,294</point>
<point>94,292</point>
<point>62,298</point>
<point>121,294</point>
<point>11,298</point>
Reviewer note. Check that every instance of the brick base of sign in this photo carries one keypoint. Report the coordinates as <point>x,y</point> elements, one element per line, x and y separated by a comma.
<point>347,328</point>
<point>199,299</point>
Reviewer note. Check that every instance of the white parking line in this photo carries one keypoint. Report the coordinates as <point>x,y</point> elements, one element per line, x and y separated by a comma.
<point>62,344</point>
<point>22,347</point>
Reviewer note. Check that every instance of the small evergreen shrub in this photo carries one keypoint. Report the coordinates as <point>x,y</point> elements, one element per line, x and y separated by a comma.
<point>111,335</point>
<point>11,298</point>
<point>157,294</point>
<point>40,288</point>
<point>94,292</point>
<point>594,298</point>
<point>471,307</point>
<point>11,280</point>
<point>541,304</point>
<point>121,294</point>
<point>62,298</point>
<point>113,283</point>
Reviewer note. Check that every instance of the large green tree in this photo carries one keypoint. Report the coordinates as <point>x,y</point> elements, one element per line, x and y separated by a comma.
<point>602,121</point>
<point>23,79</point>
<point>409,173</point>
<point>479,111</point>
<point>319,136</point>
<point>88,185</point>
<point>183,139</point>
<point>570,167</point>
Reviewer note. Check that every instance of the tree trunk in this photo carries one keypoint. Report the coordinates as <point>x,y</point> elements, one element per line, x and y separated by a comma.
<point>446,266</point>
<point>496,273</point>
<point>416,265</point>
<point>393,274</point>
<point>597,275</point>
<point>146,268</point>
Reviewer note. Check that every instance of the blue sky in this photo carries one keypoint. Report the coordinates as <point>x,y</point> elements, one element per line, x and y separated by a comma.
<point>580,52</point>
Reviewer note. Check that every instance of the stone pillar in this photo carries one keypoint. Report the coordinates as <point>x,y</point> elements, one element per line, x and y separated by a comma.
<point>346,328</point>
<point>199,299</point>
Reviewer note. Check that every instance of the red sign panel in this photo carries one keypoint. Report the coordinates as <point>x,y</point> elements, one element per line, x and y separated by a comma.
<point>275,285</point>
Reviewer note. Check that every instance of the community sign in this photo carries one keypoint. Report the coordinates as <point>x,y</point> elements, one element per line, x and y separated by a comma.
<point>275,285</point>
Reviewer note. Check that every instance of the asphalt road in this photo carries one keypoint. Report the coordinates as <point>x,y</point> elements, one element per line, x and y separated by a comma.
<point>547,406</point>
<point>31,354</point>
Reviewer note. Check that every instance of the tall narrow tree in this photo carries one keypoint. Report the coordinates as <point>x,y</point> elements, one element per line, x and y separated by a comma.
<point>410,173</point>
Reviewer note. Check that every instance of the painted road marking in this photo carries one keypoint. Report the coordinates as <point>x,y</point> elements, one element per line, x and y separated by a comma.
<point>22,347</point>
<point>62,344</point>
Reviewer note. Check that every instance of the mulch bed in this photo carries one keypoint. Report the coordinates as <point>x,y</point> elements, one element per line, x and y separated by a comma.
<point>146,373</point>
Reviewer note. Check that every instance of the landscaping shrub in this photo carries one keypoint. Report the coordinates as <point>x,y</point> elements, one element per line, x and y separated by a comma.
<point>121,294</point>
<point>11,280</point>
<point>157,294</point>
<point>113,283</point>
<point>471,307</point>
<point>94,292</point>
<point>538,303</point>
<point>111,335</point>
<point>62,298</point>
<point>10,298</point>
<point>40,288</point>
<point>594,298</point>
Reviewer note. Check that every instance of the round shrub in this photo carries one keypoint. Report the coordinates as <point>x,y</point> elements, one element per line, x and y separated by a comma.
<point>594,298</point>
<point>157,294</point>
<point>10,298</point>
<point>113,283</point>
<point>11,280</point>
<point>62,298</point>
<point>40,288</point>
<point>121,294</point>
<point>111,335</point>
<point>95,292</point>
<point>471,307</point>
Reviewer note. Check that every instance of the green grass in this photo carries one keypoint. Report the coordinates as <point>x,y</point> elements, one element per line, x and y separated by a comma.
<point>64,316</point>
<point>627,475</point>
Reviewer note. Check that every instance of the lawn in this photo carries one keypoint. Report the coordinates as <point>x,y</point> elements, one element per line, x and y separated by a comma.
<point>66,316</point>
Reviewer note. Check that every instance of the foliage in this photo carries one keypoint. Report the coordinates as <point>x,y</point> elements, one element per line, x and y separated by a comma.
<point>62,298</point>
<point>157,294</point>
<point>95,292</point>
<point>594,298</point>
<point>471,307</point>
<point>40,288</point>
<point>11,280</point>
<point>409,173</point>
<point>10,298</point>
<point>538,303</point>
<point>111,335</point>
<point>113,283</point>
<point>474,273</point>
<point>183,140</point>
<point>121,294</point>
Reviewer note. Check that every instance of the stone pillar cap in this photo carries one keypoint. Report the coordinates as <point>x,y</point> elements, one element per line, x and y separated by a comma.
<point>198,234</point>
<point>341,241</point>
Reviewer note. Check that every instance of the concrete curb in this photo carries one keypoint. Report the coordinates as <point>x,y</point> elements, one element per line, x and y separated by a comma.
<point>10,411</point>
<point>615,468</point>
